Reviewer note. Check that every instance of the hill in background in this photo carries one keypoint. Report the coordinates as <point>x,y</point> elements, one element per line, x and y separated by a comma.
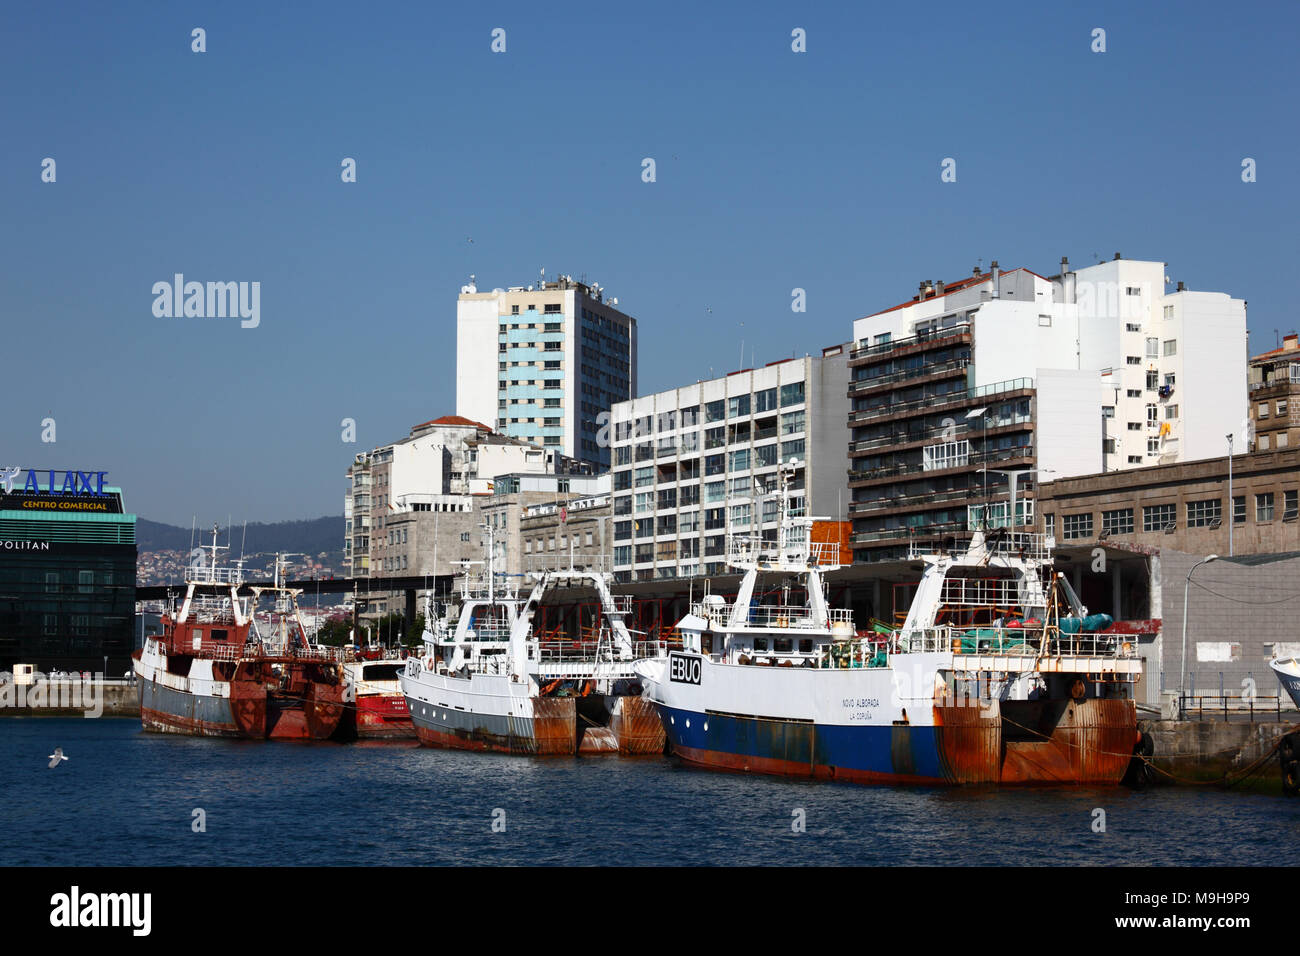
<point>306,537</point>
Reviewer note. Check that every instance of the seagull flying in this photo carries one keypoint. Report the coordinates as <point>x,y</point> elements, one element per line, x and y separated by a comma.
<point>57,757</point>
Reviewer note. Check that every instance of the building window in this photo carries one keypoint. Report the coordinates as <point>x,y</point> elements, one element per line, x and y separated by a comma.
<point>792,394</point>
<point>1281,440</point>
<point>1108,446</point>
<point>738,406</point>
<point>1119,521</point>
<point>1153,348</point>
<point>1171,411</point>
<point>1289,504</point>
<point>1153,446</point>
<point>792,449</point>
<point>85,581</point>
<point>1153,415</point>
<point>765,401</point>
<point>1201,514</point>
<point>1158,517</point>
<point>1153,380</point>
<point>1133,359</point>
<point>1238,509</point>
<point>715,411</point>
<point>1281,407</point>
<point>1076,526</point>
<point>1263,409</point>
<point>1264,506</point>
<point>1049,524</point>
<point>1263,443</point>
<point>1171,347</point>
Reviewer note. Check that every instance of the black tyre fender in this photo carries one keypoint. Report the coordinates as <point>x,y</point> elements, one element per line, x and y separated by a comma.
<point>1287,748</point>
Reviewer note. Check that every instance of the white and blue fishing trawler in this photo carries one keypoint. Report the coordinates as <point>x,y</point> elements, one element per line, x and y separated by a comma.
<point>487,681</point>
<point>986,681</point>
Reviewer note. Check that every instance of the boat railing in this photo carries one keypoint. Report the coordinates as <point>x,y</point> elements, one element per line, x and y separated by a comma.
<point>780,617</point>
<point>981,592</point>
<point>210,575</point>
<point>1024,545</point>
<point>559,561</point>
<point>747,550</point>
<point>1013,641</point>
<point>717,614</point>
<point>490,631</point>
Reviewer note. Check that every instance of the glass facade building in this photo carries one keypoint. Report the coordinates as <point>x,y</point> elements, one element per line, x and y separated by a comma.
<point>67,580</point>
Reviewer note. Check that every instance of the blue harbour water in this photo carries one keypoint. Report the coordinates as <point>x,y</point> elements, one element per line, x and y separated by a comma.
<point>127,798</point>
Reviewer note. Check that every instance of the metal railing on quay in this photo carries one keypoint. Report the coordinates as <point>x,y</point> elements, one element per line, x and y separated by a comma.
<point>1225,705</point>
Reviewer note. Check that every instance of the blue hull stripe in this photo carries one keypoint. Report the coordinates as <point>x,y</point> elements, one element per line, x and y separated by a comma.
<point>903,751</point>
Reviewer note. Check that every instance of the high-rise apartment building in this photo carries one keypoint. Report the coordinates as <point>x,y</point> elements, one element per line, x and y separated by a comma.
<point>545,364</point>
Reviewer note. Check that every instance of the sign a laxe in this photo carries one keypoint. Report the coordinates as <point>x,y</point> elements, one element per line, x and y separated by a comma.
<point>71,483</point>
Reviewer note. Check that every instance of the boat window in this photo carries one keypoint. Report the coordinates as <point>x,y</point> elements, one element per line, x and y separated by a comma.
<point>706,642</point>
<point>219,634</point>
<point>783,645</point>
<point>760,643</point>
<point>805,645</point>
<point>381,671</point>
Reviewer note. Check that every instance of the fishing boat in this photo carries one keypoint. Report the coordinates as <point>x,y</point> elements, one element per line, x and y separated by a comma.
<point>375,704</point>
<point>1288,675</point>
<point>215,672</point>
<point>986,681</point>
<point>486,681</point>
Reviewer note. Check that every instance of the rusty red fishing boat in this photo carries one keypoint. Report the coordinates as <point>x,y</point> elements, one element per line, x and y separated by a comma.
<point>215,672</point>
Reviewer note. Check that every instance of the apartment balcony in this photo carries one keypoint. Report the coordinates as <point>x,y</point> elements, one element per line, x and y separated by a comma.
<point>865,477</point>
<point>923,373</point>
<point>881,506</point>
<point>903,439</point>
<point>953,400</point>
<point>921,342</point>
<point>914,533</point>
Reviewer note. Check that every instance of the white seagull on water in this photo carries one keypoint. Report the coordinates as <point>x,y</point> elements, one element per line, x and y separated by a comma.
<point>57,757</point>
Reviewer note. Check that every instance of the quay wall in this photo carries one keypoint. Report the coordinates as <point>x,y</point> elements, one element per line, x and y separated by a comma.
<point>59,698</point>
<point>1217,751</point>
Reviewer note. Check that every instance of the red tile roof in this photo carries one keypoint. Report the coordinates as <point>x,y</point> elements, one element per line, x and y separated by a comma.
<point>956,287</point>
<point>1281,350</point>
<point>454,420</point>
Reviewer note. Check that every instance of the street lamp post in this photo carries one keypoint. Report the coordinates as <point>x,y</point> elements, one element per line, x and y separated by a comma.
<point>1182,686</point>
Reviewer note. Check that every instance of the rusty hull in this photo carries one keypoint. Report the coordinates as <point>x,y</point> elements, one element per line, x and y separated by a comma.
<point>555,728</point>
<point>1036,742</point>
<point>636,726</point>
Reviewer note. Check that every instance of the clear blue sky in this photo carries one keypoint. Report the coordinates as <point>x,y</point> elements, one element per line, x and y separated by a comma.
<point>776,170</point>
